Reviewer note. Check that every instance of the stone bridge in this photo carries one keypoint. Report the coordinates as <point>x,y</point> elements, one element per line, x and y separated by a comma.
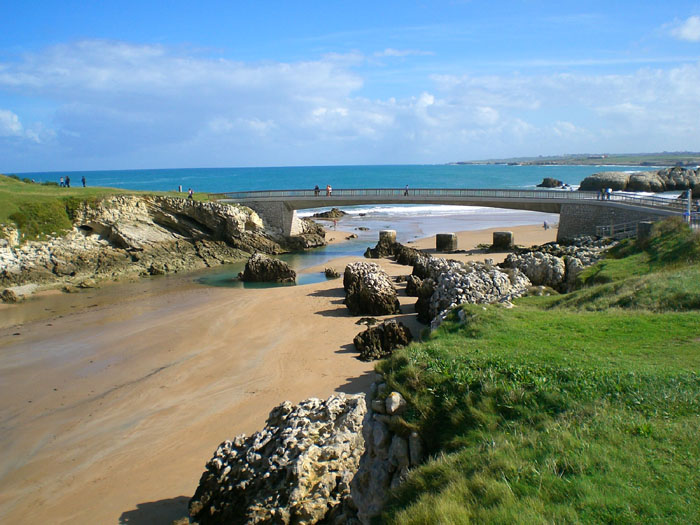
<point>580,212</point>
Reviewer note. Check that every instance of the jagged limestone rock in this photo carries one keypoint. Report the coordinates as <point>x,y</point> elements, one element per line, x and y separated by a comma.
<point>298,469</point>
<point>141,235</point>
<point>378,342</point>
<point>667,179</point>
<point>368,290</point>
<point>450,283</point>
<point>541,268</point>
<point>261,268</point>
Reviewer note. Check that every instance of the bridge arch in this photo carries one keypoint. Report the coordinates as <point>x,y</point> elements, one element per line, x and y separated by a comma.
<point>579,212</point>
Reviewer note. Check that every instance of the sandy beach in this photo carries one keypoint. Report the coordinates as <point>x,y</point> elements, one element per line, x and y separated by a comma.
<point>111,403</point>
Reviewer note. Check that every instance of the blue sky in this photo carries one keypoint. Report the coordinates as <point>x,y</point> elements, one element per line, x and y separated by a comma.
<point>119,85</point>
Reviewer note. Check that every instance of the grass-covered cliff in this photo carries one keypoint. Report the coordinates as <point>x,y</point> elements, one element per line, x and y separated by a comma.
<point>38,210</point>
<point>580,408</point>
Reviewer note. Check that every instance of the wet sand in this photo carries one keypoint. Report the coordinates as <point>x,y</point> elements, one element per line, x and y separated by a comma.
<point>112,400</point>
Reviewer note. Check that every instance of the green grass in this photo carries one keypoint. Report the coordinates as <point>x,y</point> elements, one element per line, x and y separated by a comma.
<point>582,408</point>
<point>40,210</point>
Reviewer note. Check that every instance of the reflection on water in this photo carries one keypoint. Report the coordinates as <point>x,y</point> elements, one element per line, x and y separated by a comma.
<point>227,275</point>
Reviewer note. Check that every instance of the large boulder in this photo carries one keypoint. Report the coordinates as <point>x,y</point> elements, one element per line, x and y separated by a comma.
<point>378,342</point>
<point>333,213</point>
<point>558,265</point>
<point>667,179</point>
<point>646,181</point>
<point>297,469</point>
<point>368,290</point>
<point>15,294</point>
<point>681,179</point>
<point>549,182</point>
<point>413,283</point>
<point>447,284</point>
<point>543,269</point>
<point>261,268</point>
<point>617,180</point>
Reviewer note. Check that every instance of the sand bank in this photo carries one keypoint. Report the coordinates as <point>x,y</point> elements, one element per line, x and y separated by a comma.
<point>108,414</point>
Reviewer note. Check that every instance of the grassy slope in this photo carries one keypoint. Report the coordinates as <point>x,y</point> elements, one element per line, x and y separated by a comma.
<point>40,210</point>
<point>564,409</point>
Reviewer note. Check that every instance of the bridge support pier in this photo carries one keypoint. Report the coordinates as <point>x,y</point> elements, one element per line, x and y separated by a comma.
<point>582,219</point>
<point>279,215</point>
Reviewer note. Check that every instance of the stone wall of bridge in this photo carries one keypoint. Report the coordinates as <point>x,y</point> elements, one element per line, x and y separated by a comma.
<point>582,219</point>
<point>576,218</point>
<point>277,215</point>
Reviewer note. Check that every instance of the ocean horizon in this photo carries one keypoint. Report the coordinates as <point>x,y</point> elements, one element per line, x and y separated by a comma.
<point>219,180</point>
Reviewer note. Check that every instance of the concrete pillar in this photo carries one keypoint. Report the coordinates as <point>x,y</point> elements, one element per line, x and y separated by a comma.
<point>502,240</point>
<point>446,242</point>
<point>644,230</point>
<point>387,236</point>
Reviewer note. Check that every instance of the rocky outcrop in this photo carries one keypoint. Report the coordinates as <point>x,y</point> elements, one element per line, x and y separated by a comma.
<point>390,450</point>
<point>378,342</point>
<point>387,247</point>
<point>312,236</point>
<point>668,179</point>
<point>549,182</point>
<point>368,290</point>
<point>542,269</point>
<point>333,213</point>
<point>298,469</point>
<point>331,273</point>
<point>413,284</point>
<point>450,283</point>
<point>15,294</point>
<point>555,265</point>
<point>261,268</point>
<point>142,235</point>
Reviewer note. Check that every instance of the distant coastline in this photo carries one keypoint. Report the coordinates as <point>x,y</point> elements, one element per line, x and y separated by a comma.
<point>646,160</point>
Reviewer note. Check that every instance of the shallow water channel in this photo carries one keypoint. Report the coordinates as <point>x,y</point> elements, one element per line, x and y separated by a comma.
<point>227,275</point>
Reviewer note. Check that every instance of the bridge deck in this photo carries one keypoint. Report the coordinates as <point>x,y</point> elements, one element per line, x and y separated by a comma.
<point>536,200</point>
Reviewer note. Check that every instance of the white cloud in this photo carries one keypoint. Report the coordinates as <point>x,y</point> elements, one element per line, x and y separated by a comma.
<point>390,52</point>
<point>10,126</point>
<point>123,105</point>
<point>688,30</point>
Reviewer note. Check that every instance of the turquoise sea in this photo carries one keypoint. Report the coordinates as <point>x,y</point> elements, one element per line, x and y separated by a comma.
<point>215,180</point>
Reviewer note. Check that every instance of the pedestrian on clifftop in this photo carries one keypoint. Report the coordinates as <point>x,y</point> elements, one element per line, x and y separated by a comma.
<point>190,194</point>
<point>83,181</point>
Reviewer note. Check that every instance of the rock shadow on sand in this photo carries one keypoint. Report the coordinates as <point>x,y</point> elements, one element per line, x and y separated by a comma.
<point>331,292</point>
<point>359,384</point>
<point>163,511</point>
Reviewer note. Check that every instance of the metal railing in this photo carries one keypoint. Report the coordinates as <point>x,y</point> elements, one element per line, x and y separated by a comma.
<point>618,231</point>
<point>626,230</point>
<point>427,193</point>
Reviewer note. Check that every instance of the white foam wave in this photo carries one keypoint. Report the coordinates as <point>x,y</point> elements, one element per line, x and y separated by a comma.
<point>406,210</point>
